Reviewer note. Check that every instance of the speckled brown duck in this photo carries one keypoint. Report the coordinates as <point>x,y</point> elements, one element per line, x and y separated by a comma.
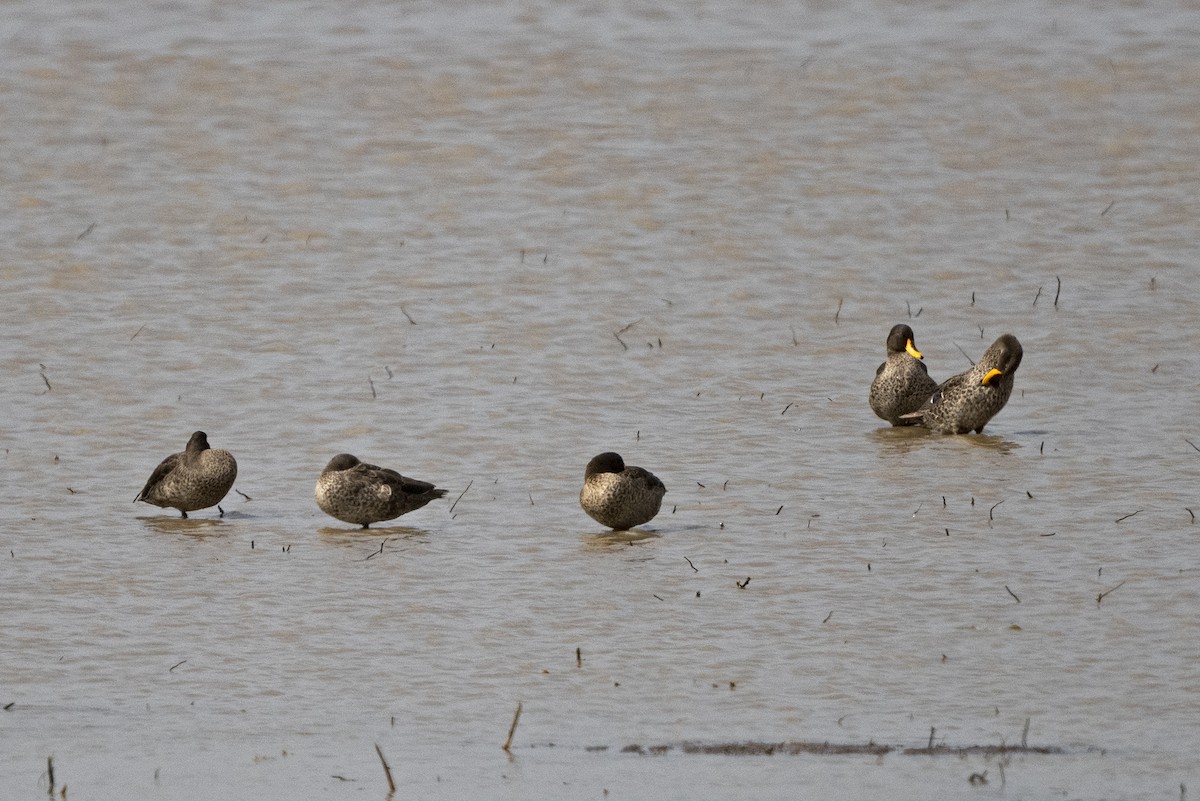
<point>902,384</point>
<point>969,400</point>
<point>362,494</point>
<point>196,478</point>
<point>620,496</point>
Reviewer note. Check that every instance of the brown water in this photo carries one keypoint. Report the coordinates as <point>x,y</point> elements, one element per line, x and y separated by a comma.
<point>482,244</point>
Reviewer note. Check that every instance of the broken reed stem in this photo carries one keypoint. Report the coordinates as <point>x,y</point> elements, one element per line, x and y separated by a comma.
<point>50,773</point>
<point>1025,734</point>
<point>512,729</point>
<point>1057,290</point>
<point>837,313</point>
<point>387,770</point>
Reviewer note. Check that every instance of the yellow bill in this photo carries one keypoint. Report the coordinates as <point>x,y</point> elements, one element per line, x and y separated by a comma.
<point>912,351</point>
<point>987,379</point>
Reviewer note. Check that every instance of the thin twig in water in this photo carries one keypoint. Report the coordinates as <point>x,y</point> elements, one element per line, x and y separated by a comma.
<point>1100,597</point>
<point>837,313</point>
<point>1013,594</point>
<point>387,770</point>
<point>1126,517</point>
<point>997,503</point>
<point>964,353</point>
<point>372,383</point>
<point>171,669</point>
<point>86,231</point>
<point>1106,208</point>
<point>407,316</point>
<point>459,498</point>
<point>244,495</point>
<point>631,325</point>
<point>135,333</point>
<point>1038,295</point>
<point>513,728</point>
<point>50,773</point>
<point>693,567</point>
<point>1025,734</point>
<point>1057,290</point>
<point>1189,442</point>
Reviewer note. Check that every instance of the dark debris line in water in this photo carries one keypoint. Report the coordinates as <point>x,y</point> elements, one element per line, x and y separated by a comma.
<point>793,748</point>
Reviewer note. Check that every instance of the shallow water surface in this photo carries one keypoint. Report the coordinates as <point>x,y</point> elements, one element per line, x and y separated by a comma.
<point>481,245</point>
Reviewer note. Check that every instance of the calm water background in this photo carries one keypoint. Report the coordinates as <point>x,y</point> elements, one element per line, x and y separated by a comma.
<point>481,244</point>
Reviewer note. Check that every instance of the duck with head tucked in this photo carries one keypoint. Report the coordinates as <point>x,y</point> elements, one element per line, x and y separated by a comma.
<point>196,478</point>
<point>619,496</point>
<point>902,384</point>
<point>970,399</point>
<point>362,494</point>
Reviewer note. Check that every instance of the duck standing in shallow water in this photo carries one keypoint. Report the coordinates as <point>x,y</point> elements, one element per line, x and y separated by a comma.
<point>196,478</point>
<point>617,496</point>
<point>363,494</point>
<point>902,384</point>
<point>969,400</point>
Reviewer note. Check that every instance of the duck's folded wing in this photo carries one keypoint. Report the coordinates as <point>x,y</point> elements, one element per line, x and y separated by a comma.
<point>646,477</point>
<point>162,471</point>
<point>404,484</point>
<point>934,399</point>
